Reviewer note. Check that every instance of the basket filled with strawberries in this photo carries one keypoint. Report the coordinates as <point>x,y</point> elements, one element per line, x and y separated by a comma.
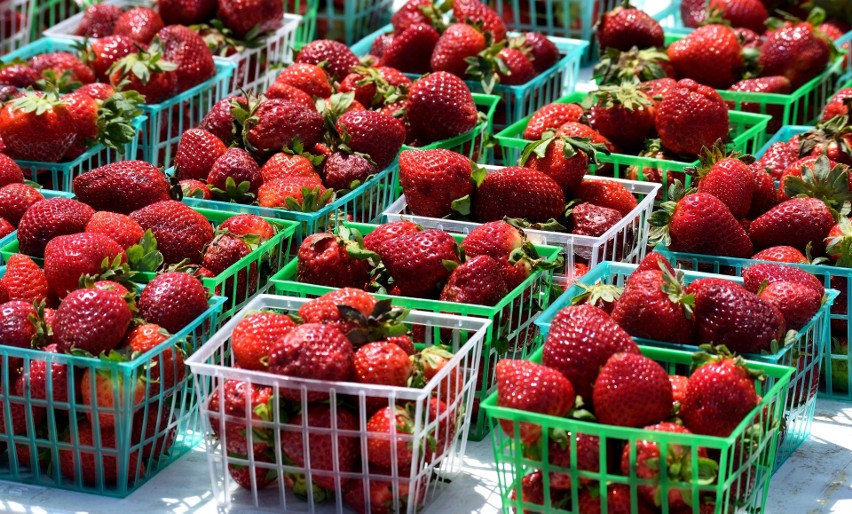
<point>171,68</point>
<point>124,226</point>
<point>551,200</point>
<point>95,396</point>
<point>769,313</point>
<point>255,38</point>
<point>527,70</point>
<point>15,18</point>
<point>493,273</point>
<point>349,21</point>
<point>594,421</point>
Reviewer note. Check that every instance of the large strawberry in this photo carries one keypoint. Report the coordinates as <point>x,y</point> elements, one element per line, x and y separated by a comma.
<point>338,58</point>
<point>50,218</point>
<point>36,127</point>
<point>234,176</point>
<point>103,52</point>
<point>795,50</point>
<point>436,182</point>
<point>181,232</point>
<point>625,27</point>
<point>459,42</point>
<point>749,14</point>
<point>246,404</point>
<point>271,125</point>
<point>173,300</point>
<point>98,20</point>
<point>518,192</point>
<point>608,193</point>
<point>551,117</point>
<point>220,121</point>
<point>799,222</point>
<point>632,390</point>
<point>581,339</point>
<point>147,73</point>
<point>654,305</point>
<point>417,261</point>
<point>411,50</point>
<point>727,178</point>
<point>710,55</point>
<point>376,134</point>
<point>254,335</point>
<point>93,320</point>
<point>197,151</point>
<point>140,24</point>
<point>382,363</point>
<point>479,280</point>
<point>122,187</point>
<point>776,84</point>
<point>623,114</point>
<point>185,48</point>
<point>24,280</point>
<point>475,12</point>
<point>755,276</point>
<point>332,260</point>
<point>387,231</point>
<point>100,390</point>
<point>243,16</point>
<point>440,106</point>
<point>222,253</point>
<point>16,328</point>
<point>566,160</point>
<point>58,64</point>
<point>796,302</point>
<point>67,258</point>
<point>691,117</point>
<point>309,78</point>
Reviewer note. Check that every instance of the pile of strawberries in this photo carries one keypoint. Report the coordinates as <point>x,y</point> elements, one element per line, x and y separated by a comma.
<point>343,336</point>
<point>473,46</point>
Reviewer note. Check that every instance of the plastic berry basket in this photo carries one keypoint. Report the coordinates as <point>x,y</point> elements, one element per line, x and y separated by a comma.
<point>522,100</point>
<point>168,415</point>
<point>364,204</point>
<point>60,175</point>
<point>351,21</point>
<point>625,241</point>
<point>265,261</point>
<point>511,333</point>
<point>15,33</point>
<point>745,462</point>
<point>412,487</point>
<point>48,13</point>
<point>805,355</point>
<point>255,68</point>
<point>747,136</point>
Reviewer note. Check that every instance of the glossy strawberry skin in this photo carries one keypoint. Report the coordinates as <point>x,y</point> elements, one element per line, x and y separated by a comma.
<point>709,55</point>
<point>730,180</point>
<point>37,137</point>
<point>645,310</point>
<point>432,179</point>
<point>551,117</point>
<point>197,151</point>
<point>479,280</point>
<point>625,28</point>
<point>373,133</point>
<point>794,51</point>
<point>241,16</point>
<point>608,193</point>
<point>795,223</point>
<point>719,395</point>
<point>411,50</point>
<point>518,192</point>
<point>140,24</point>
<point>180,231</point>
<point>632,390</point>
<point>98,20</point>
<point>691,117</point>
<point>338,57</point>
<point>754,276</point>
<point>440,106</point>
<point>187,49</point>
<point>387,231</point>
<point>279,123</point>
<point>324,260</point>
<point>173,300</point>
<point>50,218</point>
<point>93,320</point>
<point>122,187</point>
<point>796,302</point>
<point>703,224</point>
<point>69,257</point>
<point>15,199</point>
<point>416,261</point>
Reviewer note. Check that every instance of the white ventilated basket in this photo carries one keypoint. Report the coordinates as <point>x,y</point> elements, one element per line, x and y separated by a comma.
<point>15,19</point>
<point>413,487</point>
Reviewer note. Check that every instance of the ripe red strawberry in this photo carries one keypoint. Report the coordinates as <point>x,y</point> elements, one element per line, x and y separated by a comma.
<point>185,48</point>
<point>254,335</point>
<point>50,218</point>
<point>781,254</point>
<point>242,16</point>
<point>284,165</point>
<point>98,20</point>
<point>607,193</point>
<point>519,68</point>
<point>222,253</point>
<point>102,53</point>
<point>625,27</point>
<point>309,78</point>
<point>771,84</point>
<point>532,493</point>
<point>559,454</point>
<point>197,151</point>
<point>140,24</point>
<point>45,380</point>
<point>617,499</point>
<point>276,124</point>
<point>122,187</point>
<point>710,55</point>
<point>719,395</point>
<point>796,302</point>
<point>327,259</point>
<point>764,196</point>
<point>750,14</point>
<point>312,351</point>
<point>440,106</point>
<point>592,220</point>
<point>496,239</point>
<point>459,42</point>
<point>176,12</point>
<point>98,90</point>
<point>246,403</point>
<point>518,192</point>
<point>375,86</point>
<point>372,133</point>
<point>691,117</point>
<point>474,12</point>
<point>387,231</point>
<point>101,396</point>
<point>24,280</point>
<point>693,12</point>
<point>435,181</point>
<point>575,129</point>
<point>167,367</point>
<point>701,223</point>
<point>413,11</point>
<point>679,384</point>
<point>381,445</point>
<point>180,231</point>
<point>97,460</point>
<point>727,178</point>
<point>778,157</point>
<point>147,73</point>
<point>632,390</point>
<point>191,188</point>
<point>416,261</point>
<point>623,114</point>
<point>479,280</point>
<point>754,277</point>
<point>234,175</point>
<point>411,50</point>
<point>287,92</point>
<point>18,75</point>
<point>551,117</point>
<point>657,89</point>
<point>654,305</point>
<point>10,172</point>
<point>67,258</point>
<point>16,329</point>
<point>531,387</point>
<point>382,363</point>
<point>796,51</point>
<point>541,50</point>
<point>728,314</point>
<point>6,228</point>
<point>325,454</point>
<point>294,193</point>
<point>249,224</point>
<point>93,320</point>
<point>60,63</point>
<point>797,223</point>
<point>581,339</point>
<point>338,57</point>
<point>219,121</point>
<point>837,104</point>
<point>344,171</point>
<point>565,160</point>
<point>172,300</point>
<point>36,127</point>
<point>325,309</point>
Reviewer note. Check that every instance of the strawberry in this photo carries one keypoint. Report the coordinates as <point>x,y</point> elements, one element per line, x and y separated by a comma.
<point>16,328</point>
<point>180,231</point>
<point>496,239</point>
<point>700,223</point>
<point>382,363</point>
<point>559,454</point>
<point>176,12</point>
<point>607,193</point>
<point>413,11</point>
<point>440,106</point>
<point>243,402</point>
<point>254,335</point>
<point>797,223</point>
<point>287,92</point>
<point>625,27</point>
<point>592,220</point>
<point>10,172</point>
<point>172,300</point>
<point>314,351</point>
<point>271,125</point>
<point>795,50</point>
<point>36,127</point>
<point>387,231</point>
<point>754,276</point>
<point>96,462</point>
<point>623,114</point>
<point>646,65</point>
<point>781,254</point>
<point>679,384</point>
<point>541,51</point>
<point>750,14</point>
<point>728,314</point>
<point>191,188</point>
<point>234,175</point>
<point>648,453</point>
<point>617,499</point>
<point>68,258</point>
<point>122,187</point>
<point>532,493</point>
<point>50,218</point>
<point>719,395</point>
<point>632,390</point>
<point>322,453</point>
<point>61,63</point>
<point>551,117</point>
<point>566,160</point>
<point>197,151</point>
<point>691,117</point>
<point>764,196</point>
<point>284,165</point>
<point>98,20</point>
<point>459,42</point>
<point>249,225</point>
<point>167,367</point>
<point>411,50</point>
<point>222,253</point>
<point>186,49</point>
<point>326,309</point>
<point>417,261</point>
<point>435,182</point>
<point>576,130</point>
<point>383,447</point>
<point>657,89</point>
<point>727,178</point>
<point>581,339</point>
<point>518,192</point>
<point>98,90</point>
<point>220,122</point>
<point>24,280</point>
<point>375,134</point>
<point>796,302</point>
<point>710,55</point>
<point>475,12</point>
<point>100,396</point>
<point>338,57</point>
<point>778,157</point>
<point>244,16</point>
<point>344,171</point>
<point>331,260</point>
<point>693,12</point>
<point>309,78</point>
<point>6,228</point>
<point>147,73</point>
<point>103,52</point>
<point>140,24</point>
<point>772,84</point>
<point>519,68</point>
<point>47,380</point>
<point>837,105</point>
<point>93,320</point>
<point>654,305</point>
<point>18,75</point>
<point>531,387</point>
<point>478,280</point>
<point>301,194</point>
<point>375,86</point>
<point>832,138</point>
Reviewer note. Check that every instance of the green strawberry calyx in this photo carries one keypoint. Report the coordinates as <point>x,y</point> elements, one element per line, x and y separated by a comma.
<point>35,103</point>
<point>823,182</point>
<point>115,117</point>
<point>142,64</point>
<point>233,192</point>
<point>616,66</point>
<point>840,247</point>
<point>487,66</point>
<point>386,93</point>
<point>385,321</point>
<point>674,287</point>
<point>628,95</point>
<point>44,332</point>
<point>710,156</point>
<point>713,354</point>
<point>597,293</point>
<point>661,218</point>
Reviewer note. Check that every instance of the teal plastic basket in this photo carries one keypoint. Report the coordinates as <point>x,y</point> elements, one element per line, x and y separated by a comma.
<point>805,355</point>
<point>168,414</point>
<point>47,193</point>
<point>522,100</point>
<point>353,21</point>
<point>17,34</point>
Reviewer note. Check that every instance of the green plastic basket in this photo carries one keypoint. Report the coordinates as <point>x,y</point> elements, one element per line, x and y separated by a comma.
<point>60,175</point>
<point>522,100</point>
<point>742,484</point>
<point>47,193</point>
<point>48,13</point>
<point>747,136</point>
<point>806,354</point>
<point>17,34</point>
<point>169,414</point>
<point>512,331</point>
<point>268,258</point>
<point>353,20</point>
